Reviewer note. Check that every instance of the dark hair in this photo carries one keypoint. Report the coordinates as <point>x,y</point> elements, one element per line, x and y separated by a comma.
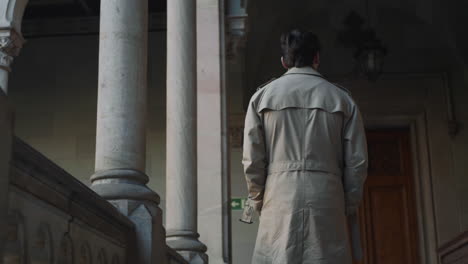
<point>299,48</point>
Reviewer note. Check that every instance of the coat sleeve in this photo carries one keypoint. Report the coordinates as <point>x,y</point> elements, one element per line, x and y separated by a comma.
<point>355,161</point>
<point>254,157</point>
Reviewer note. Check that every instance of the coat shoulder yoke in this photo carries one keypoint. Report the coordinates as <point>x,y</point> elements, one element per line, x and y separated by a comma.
<point>303,91</point>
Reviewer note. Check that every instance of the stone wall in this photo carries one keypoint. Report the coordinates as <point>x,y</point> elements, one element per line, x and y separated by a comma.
<point>54,218</point>
<point>459,85</point>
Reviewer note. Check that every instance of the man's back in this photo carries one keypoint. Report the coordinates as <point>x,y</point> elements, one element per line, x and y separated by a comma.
<point>303,118</point>
<point>305,162</point>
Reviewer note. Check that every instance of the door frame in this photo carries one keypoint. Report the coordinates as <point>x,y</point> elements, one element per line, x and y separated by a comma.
<point>422,179</point>
<point>420,102</point>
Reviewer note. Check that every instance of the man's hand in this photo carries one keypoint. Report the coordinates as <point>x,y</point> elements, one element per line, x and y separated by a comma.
<point>247,214</point>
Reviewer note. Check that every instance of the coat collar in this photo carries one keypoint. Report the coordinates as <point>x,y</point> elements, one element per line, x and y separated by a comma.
<point>303,70</point>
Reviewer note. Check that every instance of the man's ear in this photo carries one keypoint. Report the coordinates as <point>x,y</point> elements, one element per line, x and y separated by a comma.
<point>284,64</point>
<point>316,61</point>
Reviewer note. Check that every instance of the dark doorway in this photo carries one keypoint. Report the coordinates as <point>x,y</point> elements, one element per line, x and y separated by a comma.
<point>388,212</point>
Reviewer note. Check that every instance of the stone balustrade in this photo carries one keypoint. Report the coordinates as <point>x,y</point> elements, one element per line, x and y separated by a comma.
<point>48,216</point>
<point>455,251</point>
<point>54,218</point>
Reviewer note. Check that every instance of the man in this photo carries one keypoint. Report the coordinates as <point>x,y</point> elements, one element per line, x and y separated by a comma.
<point>305,161</point>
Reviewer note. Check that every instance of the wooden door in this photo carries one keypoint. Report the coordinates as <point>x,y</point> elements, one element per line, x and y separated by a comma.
<point>387,214</point>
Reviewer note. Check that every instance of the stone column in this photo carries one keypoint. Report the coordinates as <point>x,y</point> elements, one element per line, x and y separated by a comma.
<point>11,41</point>
<point>6,137</point>
<point>181,158</point>
<point>121,124</point>
<point>10,46</point>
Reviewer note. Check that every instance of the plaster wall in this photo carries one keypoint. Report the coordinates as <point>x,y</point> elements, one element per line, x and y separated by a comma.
<point>53,88</point>
<point>459,86</point>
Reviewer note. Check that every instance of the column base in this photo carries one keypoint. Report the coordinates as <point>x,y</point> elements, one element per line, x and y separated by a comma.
<point>125,184</point>
<point>194,257</point>
<point>186,243</point>
<point>150,246</point>
<point>127,191</point>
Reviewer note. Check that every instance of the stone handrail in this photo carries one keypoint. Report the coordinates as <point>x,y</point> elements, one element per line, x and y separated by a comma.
<point>54,218</point>
<point>455,251</point>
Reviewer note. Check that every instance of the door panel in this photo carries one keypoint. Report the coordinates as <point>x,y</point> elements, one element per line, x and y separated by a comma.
<point>387,214</point>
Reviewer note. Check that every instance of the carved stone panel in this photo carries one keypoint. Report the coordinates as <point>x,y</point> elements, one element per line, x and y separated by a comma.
<point>41,248</point>
<point>115,259</point>
<point>65,255</point>
<point>50,226</point>
<point>102,258</point>
<point>85,254</point>
<point>15,247</point>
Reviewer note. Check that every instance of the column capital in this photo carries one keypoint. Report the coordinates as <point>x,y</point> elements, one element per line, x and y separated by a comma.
<point>11,43</point>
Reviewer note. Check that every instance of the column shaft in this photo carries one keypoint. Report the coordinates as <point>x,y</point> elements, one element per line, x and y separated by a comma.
<point>6,140</point>
<point>122,102</point>
<point>181,158</point>
<point>122,85</point>
<point>10,45</point>
<point>4,80</point>
<point>121,125</point>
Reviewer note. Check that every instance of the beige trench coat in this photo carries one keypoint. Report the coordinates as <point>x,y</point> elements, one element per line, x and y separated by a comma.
<point>305,162</point>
